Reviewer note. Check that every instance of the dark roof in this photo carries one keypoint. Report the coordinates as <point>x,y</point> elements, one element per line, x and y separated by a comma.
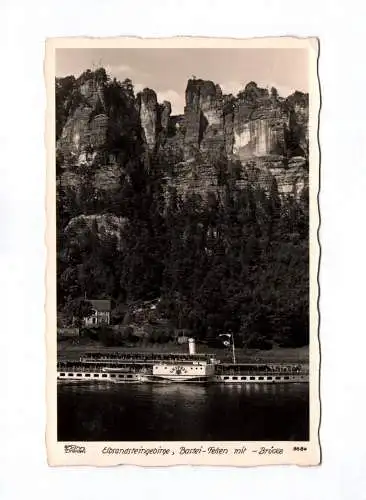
<point>101,305</point>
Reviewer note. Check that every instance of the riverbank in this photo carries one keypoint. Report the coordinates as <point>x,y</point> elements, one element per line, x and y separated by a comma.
<point>67,350</point>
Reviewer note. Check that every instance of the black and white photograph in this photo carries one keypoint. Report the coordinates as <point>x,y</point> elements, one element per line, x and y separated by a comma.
<point>186,256</point>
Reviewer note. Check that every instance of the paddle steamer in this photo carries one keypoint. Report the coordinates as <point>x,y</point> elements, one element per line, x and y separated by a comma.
<point>127,367</point>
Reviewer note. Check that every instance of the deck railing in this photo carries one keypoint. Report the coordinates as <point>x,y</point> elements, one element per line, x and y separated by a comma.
<point>79,367</point>
<point>231,369</point>
<point>143,357</point>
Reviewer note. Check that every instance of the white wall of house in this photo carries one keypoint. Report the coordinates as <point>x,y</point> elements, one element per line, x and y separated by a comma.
<point>98,318</point>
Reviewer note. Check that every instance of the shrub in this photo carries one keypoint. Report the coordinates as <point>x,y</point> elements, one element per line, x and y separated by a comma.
<point>258,342</point>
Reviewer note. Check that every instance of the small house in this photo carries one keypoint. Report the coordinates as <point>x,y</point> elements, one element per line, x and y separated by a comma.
<point>101,314</point>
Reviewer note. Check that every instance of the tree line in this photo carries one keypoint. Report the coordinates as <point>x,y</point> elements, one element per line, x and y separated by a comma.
<point>237,262</point>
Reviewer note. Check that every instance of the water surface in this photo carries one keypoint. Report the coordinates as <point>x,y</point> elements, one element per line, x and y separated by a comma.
<point>183,412</point>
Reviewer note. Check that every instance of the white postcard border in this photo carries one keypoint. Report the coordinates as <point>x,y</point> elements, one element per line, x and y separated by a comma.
<point>298,453</point>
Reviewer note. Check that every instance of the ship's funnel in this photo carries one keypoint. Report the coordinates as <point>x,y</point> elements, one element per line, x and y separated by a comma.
<point>192,346</point>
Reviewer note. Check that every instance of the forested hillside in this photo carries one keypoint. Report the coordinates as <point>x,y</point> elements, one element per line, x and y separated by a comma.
<point>230,256</point>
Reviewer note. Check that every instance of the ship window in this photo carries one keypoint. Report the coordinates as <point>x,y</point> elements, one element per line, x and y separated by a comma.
<point>235,378</point>
<point>278,378</point>
<point>286,378</point>
<point>96,375</point>
<point>62,374</point>
<point>252,378</point>
<point>69,374</point>
<point>120,376</point>
<point>243,378</point>
<point>129,376</point>
<point>104,375</point>
<point>113,375</point>
<point>87,375</point>
<point>79,374</point>
<point>225,378</point>
<point>260,378</point>
<point>269,378</point>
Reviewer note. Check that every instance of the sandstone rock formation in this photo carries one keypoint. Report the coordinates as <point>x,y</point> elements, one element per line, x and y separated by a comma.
<point>148,112</point>
<point>87,125</point>
<point>99,136</point>
<point>154,117</point>
<point>166,109</point>
<point>204,118</point>
<point>257,125</point>
<point>107,125</point>
<point>107,226</point>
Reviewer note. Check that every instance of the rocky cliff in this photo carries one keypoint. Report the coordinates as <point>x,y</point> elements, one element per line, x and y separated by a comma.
<point>103,127</point>
<point>257,126</point>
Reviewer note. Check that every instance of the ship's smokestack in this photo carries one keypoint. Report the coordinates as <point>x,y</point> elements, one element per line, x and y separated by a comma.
<point>192,346</point>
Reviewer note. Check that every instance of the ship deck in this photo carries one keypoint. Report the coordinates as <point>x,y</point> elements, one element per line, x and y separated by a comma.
<point>220,369</point>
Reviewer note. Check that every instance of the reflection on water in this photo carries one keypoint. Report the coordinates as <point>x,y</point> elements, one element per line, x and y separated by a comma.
<point>187,391</point>
<point>182,412</point>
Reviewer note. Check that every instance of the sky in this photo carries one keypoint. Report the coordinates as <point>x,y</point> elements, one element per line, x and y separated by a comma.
<point>167,70</point>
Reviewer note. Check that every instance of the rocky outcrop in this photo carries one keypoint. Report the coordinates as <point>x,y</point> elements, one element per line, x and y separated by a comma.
<point>298,130</point>
<point>165,111</point>
<point>204,118</point>
<point>147,103</point>
<point>154,118</point>
<point>106,125</point>
<point>257,125</point>
<point>86,128</point>
<point>100,134</point>
<point>191,177</point>
<point>105,227</point>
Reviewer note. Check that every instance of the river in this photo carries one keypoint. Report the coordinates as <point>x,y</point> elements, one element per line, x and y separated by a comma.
<point>183,412</point>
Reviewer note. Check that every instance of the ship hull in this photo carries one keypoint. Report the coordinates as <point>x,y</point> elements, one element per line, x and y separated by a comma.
<point>122,378</point>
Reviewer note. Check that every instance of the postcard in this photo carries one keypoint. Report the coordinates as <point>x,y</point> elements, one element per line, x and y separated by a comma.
<point>182,322</point>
